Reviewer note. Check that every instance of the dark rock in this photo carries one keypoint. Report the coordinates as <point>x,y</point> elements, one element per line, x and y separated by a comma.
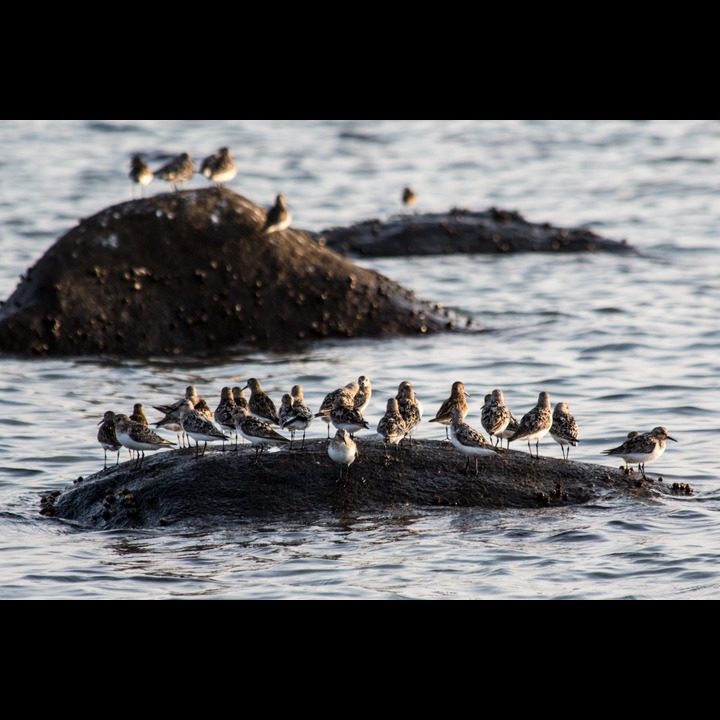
<point>189,273</point>
<point>463,231</point>
<point>227,488</point>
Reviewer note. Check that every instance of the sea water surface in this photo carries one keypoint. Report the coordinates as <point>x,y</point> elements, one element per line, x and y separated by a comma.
<point>628,342</point>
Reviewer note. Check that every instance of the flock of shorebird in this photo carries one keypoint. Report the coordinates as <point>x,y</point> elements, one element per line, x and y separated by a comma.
<point>257,417</point>
<point>219,167</point>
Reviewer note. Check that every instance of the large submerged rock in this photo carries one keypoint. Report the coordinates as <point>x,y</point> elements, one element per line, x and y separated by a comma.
<point>190,272</point>
<point>464,231</point>
<point>227,488</point>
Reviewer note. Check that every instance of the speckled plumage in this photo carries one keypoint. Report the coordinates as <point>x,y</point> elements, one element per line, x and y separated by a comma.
<point>258,432</point>
<point>199,427</point>
<point>107,438</point>
<point>391,427</point>
<point>409,407</point>
<point>458,399</point>
<point>136,436</point>
<point>223,412</point>
<point>328,402</point>
<point>468,440</point>
<point>536,423</point>
<point>260,404</point>
<point>641,448</point>
<point>495,415</point>
<point>177,171</point>
<point>294,413</point>
<point>564,428</point>
<point>345,416</point>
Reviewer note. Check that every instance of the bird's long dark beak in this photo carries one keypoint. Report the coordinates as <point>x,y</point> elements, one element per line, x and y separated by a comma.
<point>673,439</point>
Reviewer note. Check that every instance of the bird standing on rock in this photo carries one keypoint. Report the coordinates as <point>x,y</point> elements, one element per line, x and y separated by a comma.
<point>278,217</point>
<point>535,424</point>
<point>177,171</point>
<point>343,450</point>
<point>642,448</point>
<point>458,399</point>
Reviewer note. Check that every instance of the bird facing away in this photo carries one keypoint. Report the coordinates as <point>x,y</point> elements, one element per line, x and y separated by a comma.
<point>495,415</point>
<point>345,416</point>
<point>219,167</point>
<point>409,407</point>
<point>297,415</point>
<point>641,448</point>
<point>240,401</point>
<point>258,432</point>
<point>107,438</point>
<point>535,424</point>
<point>343,450</point>
<point>260,403</point>
<point>223,412</point>
<point>177,171</point>
<point>409,198</point>
<point>564,428</point>
<point>328,402</point>
<point>138,414</point>
<point>140,174</point>
<point>278,217</point>
<point>468,440</point>
<point>197,426</point>
<point>458,399</point>
<point>391,427</point>
<point>136,436</point>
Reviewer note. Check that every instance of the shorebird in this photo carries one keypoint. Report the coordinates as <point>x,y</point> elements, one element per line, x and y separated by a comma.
<point>297,415</point>
<point>197,426</point>
<point>140,174</point>
<point>392,428</point>
<point>564,428</point>
<point>258,432</point>
<point>458,399</point>
<point>107,438</point>
<point>364,393</point>
<point>190,394</point>
<point>343,450</point>
<point>468,440</point>
<point>138,414</point>
<point>136,436</point>
<point>177,171</point>
<point>328,402</point>
<point>260,403</point>
<point>409,198</point>
<point>510,430</point>
<point>223,412</point>
<point>495,415</point>
<point>219,167</point>
<point>642,448</point>
<point>409,407</point>
<point>535,424</point>
<point>345,416</point>
<point>171,410</point>
<point>278,217</point>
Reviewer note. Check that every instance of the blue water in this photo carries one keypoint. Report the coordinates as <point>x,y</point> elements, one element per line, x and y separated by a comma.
<point>629,343</point>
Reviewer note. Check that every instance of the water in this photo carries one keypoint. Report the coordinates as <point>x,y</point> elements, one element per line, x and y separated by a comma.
<point>629,343</point>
